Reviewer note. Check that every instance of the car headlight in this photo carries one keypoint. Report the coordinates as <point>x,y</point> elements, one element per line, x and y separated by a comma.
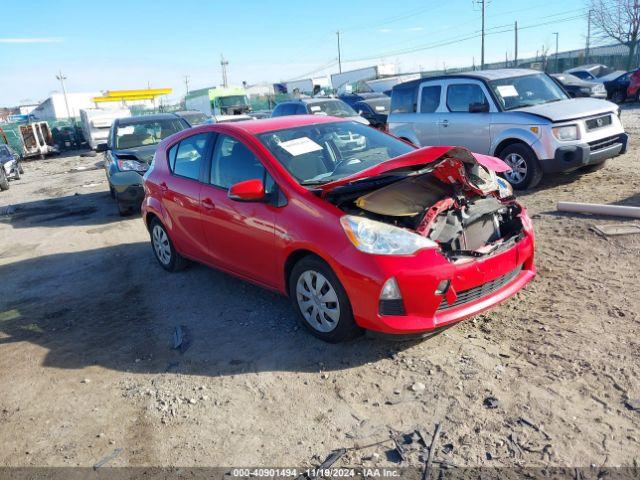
<point>566,133</point>
<point>380,238</point>
<point>124,165</point>
<point>586,90</point>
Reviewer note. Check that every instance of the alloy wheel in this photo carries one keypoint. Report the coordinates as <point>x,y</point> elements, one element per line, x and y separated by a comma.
<point>318,301</point>
<point>161,245</point>
<point>518,168</point>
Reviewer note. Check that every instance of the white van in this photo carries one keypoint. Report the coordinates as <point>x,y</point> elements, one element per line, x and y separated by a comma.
<point>96,123</point>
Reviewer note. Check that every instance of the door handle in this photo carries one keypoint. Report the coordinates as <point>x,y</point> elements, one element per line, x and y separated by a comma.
<point>208,204</point>
<point>444,123</point>
<point>164,187</point>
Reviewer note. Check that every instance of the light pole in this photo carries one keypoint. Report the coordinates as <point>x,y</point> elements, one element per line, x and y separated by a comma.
<point>556,34</point>
<point>62,78</point>
<point>339,53</point>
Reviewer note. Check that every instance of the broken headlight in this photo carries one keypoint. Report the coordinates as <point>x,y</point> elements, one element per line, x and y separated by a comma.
<point>380,238</point>
<point>505,190</point>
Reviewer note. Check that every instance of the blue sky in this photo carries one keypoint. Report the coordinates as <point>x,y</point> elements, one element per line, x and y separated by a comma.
<point>125,44</point>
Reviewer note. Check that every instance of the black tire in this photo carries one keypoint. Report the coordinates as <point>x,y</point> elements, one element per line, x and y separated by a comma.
<point>112,191</point>
<point>638,95</point>
<point>618,97</point>
<point>175,261</point>
<point>593,168</point>
<point>345,328</point>
<point>4,181</point>
<point>124,209</point>
<point>533,171</point>
<point>20,168</point>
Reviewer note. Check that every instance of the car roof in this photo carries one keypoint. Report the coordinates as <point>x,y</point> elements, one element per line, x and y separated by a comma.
<point>146,118</point>
<point>256,127</point>
<point>189,112</point>
<point>589,67</point>
<point>488,75</point>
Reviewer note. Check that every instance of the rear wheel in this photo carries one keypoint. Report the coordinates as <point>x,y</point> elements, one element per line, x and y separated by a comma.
<point>320,301</point>
<point>525,168</point>
<point>163,248</point>
<point>4,181</point>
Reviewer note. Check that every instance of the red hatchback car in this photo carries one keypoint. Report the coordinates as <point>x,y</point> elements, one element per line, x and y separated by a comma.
<point>360,229</point>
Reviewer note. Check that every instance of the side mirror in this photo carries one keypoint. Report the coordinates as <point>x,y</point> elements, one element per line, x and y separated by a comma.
<point>478,108</point>
<point>247,191</point>
<point>102,147</point>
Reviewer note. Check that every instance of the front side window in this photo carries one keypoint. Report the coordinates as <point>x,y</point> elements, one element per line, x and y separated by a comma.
<point>527,91</point>
<point>403,100</point>
<point>430,98</point>
<point>460,97</point>
<point>316,154</point>
<point>132,135</point>
<point>233,162</point>
<point>185,158</point>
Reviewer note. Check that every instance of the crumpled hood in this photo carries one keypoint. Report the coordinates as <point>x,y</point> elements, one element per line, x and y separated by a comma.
<point>420,158</point>
<point>142,154</point>
<point>570,109</point>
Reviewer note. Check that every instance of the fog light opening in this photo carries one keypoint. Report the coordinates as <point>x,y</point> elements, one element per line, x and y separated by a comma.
<point>442,287</point>
<point>391,299</point>
<point>390,290</point>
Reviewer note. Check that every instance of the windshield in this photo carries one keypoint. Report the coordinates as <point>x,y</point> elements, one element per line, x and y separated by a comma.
<point>232,101</point>
<point>316,154</point>
<point>380,105</point>
<point>335,108</point>
<point>146,133</point>
<point>526,91</point>
<point>194,118</point>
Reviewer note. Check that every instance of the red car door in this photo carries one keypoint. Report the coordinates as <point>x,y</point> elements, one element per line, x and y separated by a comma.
<point>240,235</point>
<point>181,194</point>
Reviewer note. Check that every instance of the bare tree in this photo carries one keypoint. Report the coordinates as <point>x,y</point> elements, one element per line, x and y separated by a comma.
<point>619,20</point>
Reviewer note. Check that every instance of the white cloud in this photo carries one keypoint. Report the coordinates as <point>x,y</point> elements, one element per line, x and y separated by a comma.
<point>385,30</point>
<point>415,29</point>
<point>31,40</point>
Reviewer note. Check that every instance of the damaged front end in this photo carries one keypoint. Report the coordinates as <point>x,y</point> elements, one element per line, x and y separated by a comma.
<point>449,196</point>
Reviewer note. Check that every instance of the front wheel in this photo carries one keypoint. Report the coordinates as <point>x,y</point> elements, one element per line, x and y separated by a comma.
<point>618,97</point>
<point>4,181</point>
<point>163,248</point>
<point>20,169</point>
<point>321,302</point>
<point>525,168</point>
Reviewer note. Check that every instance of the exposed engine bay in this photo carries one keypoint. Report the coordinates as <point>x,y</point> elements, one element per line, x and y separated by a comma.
<point>456,202</point>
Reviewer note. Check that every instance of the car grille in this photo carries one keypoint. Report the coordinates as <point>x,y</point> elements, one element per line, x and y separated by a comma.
<point>603,143</point>
<point>476,293</point>
<point>598,122</point>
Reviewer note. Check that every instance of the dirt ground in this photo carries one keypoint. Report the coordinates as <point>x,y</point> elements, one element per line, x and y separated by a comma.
<point>87,365</point>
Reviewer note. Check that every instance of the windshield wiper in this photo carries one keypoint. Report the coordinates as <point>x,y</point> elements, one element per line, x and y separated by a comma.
<point>313,182</point>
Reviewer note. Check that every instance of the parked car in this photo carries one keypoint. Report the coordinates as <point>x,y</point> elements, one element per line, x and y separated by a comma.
<point>129,150</point>
<point>577,87</point>
<point>10,166</point>
<point>389,238</point>
<point>194,117</point>
<point>633,91</point>
<point>591,72</point>
<point>617,84</point>
<point>317,106</point>
<point>374,110</point>
<point>352,98</point>
<point>521,116</point>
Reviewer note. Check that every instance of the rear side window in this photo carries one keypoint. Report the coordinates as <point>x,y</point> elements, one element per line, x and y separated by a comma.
<point>185,158</point>
<point>459,97</point>
<point>430,99</point>
<point>403,100</point>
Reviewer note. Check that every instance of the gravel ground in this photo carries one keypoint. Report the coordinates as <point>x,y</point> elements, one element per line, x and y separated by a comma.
<point>87,364</point>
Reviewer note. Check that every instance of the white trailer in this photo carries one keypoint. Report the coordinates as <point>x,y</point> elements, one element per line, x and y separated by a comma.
<point>339,80</point>
<point>96,123</point>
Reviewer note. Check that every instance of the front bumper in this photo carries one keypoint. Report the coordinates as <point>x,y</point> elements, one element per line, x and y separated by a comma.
<point>571,157</point>
<point>418,277</point>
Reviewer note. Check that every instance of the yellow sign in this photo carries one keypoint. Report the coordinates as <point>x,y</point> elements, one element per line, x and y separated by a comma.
<point>131,95</point>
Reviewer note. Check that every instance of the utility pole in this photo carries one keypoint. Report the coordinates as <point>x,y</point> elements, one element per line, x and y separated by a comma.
<point>62,78</point>
<point>586,50</point>
<point>186,82</point>
<point>515,55</point>
<point>556,34</point>
<point>483,4</point>
<point>223,64</point>
<point>339,53</point>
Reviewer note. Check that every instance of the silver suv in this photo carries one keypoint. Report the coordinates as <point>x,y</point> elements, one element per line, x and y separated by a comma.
<point>521,116</point>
